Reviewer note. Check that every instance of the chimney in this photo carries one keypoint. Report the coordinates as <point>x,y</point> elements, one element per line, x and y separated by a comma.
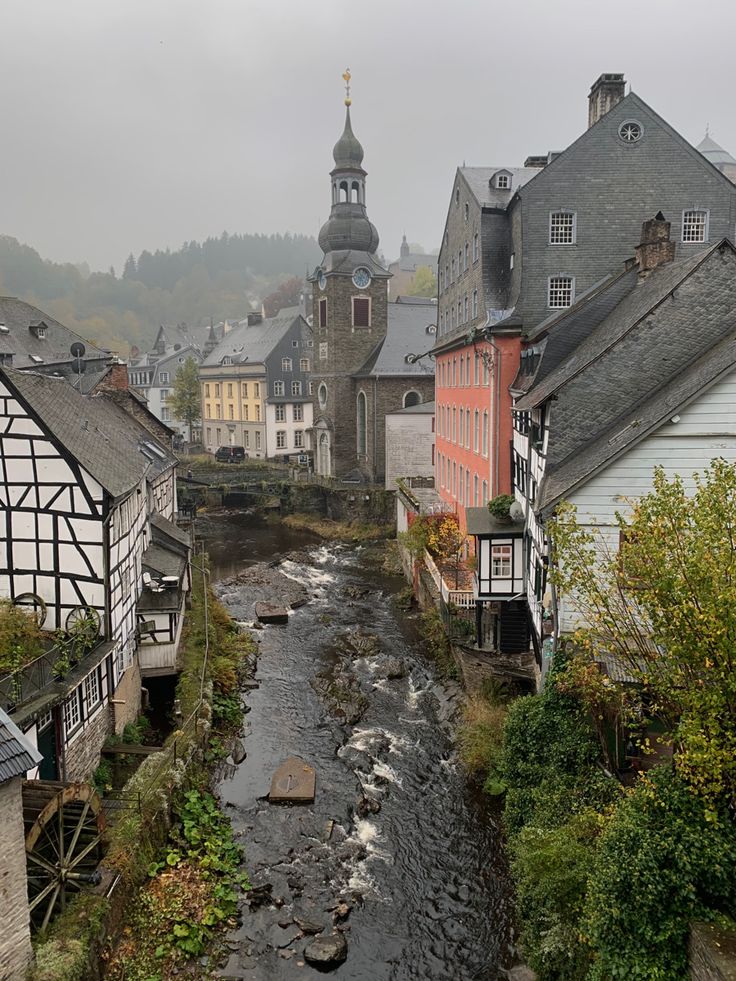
<point>655,247</point>
<point>254,318</point>
<point>605,93</point>
<point>117,376</point>
<point>536,161</point>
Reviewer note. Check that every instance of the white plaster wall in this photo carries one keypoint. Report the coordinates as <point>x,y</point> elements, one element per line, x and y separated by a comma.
<point>409,442</point>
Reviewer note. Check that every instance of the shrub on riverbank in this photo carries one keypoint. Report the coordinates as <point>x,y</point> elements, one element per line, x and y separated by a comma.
<point>607,880</point>
<point>339,531</point>
<point>480,735</point>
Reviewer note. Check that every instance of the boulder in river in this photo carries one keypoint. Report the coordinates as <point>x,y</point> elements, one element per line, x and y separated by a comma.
<point>271,613</point>
<point>237,751</point>
<point>326,951</point>
<point>391,667</point>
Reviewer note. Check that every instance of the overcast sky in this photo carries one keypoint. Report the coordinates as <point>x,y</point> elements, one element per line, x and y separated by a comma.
<point>132,124</point>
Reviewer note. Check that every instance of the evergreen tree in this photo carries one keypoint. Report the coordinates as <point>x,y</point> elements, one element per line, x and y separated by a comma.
<point>130,270</point>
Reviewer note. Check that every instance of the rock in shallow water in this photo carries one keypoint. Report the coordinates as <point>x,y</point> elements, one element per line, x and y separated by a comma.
<point>326,951</point>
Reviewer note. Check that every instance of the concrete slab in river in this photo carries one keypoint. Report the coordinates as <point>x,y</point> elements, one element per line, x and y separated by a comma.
<point>271,613</point>
<point>293,783</point>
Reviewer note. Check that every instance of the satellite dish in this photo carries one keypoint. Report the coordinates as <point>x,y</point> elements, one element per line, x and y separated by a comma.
<point>78,350</point>
<point>516,512</point>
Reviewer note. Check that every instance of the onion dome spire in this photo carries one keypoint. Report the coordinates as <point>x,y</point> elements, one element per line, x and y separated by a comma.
<point>348,153</point>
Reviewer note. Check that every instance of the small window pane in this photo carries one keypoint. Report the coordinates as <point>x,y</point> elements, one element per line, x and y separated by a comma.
<point>694,226</point>
<point>562,228</point>
<point>560,292</point>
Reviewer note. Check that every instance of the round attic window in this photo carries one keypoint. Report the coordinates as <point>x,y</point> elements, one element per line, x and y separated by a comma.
<point>630,131</point>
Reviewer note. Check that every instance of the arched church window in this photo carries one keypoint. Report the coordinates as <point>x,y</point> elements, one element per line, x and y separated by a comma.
<point>322,395</point>
<point>362,422</point>
<point>412,398</point>
<point>344,193</point>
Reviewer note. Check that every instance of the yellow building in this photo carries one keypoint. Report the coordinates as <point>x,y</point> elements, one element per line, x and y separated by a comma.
<point>255,387</point>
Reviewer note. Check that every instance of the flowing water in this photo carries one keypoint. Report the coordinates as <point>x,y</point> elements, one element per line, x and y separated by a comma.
<point>423,877</point>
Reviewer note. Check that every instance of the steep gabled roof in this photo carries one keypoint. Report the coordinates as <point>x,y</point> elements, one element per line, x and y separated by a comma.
<point>16,337</point>
<point>407,333</point>
<point>478,180</point>
<point>634,425</point>
<point>17,754</point>
<point>252,343</point>
<point>640,298</point>
<point>111,445</point>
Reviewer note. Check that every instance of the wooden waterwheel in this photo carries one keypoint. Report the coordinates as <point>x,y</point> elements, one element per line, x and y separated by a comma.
<point>63,829</point>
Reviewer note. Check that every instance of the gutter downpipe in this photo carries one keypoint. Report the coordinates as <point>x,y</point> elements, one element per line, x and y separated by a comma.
<point>497,394</point>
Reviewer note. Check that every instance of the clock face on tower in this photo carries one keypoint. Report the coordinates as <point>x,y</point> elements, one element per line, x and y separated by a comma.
<point>361,277</point>
<point>322,281</point>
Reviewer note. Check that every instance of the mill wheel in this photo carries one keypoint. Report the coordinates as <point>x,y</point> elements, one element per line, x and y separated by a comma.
<point>34,604</point>
<point>63,828</point>
<point>83,623</point>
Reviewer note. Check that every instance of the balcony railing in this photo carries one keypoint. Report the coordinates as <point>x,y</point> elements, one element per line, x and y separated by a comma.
<point>30,681</point>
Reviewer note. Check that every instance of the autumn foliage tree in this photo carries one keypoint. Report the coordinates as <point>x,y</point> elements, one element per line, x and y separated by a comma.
<point>185,402</point>
<point>664,606</point>
<point>287,294</point>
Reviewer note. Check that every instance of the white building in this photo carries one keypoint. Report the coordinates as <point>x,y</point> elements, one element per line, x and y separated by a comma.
<point>153,373</point>
<point>640,372</point>
<point>410,443</point>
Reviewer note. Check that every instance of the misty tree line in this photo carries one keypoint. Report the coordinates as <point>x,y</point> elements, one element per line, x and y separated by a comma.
<point>222,277</point>
<point>266,255</point>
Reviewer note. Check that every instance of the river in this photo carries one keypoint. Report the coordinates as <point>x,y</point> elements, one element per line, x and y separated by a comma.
<point>423,878</point>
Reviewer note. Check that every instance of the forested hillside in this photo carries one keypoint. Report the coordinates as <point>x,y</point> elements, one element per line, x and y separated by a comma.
<point>221,277</point>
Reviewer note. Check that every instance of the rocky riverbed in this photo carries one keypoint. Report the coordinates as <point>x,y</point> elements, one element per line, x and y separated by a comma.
<point>395,871</point>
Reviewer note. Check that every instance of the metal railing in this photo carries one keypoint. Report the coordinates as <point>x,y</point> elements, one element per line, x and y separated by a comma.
<point>32,679</point>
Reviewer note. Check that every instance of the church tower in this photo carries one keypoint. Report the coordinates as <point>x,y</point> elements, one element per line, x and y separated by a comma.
<point>350,298</point>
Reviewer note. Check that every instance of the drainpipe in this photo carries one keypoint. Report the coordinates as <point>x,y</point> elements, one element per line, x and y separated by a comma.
<point>497,394</point>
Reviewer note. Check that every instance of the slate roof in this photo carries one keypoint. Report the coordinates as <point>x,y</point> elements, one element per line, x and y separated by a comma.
<point>17,339</point>
<point>714,152</point>
<point>110,444</point>
<point>17,754</point>
<point>478,180</point>
<point>480,521</point>
<point>345,261</point>
<point>406,333</point>
<point>162,529</point>
<point>251,343</point>
<point>669,337</point>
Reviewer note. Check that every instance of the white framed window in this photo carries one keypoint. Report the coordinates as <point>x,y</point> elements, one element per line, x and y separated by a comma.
<point>476,252</point>
<point>258,439</point>
<point>72,712</point>
<point>225,361</point>
<point>164,394</point>
<point>281,439</point>
<point>503,182</point>
<point>298,413</point>
<point>296,388</point>
<point>304,364</point>
<point>465,309</point>
<point>466,255</point>
<point>45,720</point>
<point>501,561</point>
<point>278,388</point>
<point>511,261</point>
<point>311,388</point>
<point>484,444</point>
<point>92,693</point>
<point>298,439</point>
<point>560,292</point>
<point>164,377</point>
<point>562,228</point>
<point>246,439</point>
<point>322,395</point>
<point>165,415</point>
<point>286,364</point>
<point>476,431</point>
<point>245,390</point>
<point>694,226</point>
<point>485,493</point>
<point>280,413</point>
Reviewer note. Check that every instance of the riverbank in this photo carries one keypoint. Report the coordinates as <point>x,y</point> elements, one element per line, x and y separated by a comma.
<point>143,926</point>
<point>339,531</point>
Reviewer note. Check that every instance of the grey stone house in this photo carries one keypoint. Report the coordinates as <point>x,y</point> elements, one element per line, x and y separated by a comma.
<point>522,243</point>
<point>362,366</point>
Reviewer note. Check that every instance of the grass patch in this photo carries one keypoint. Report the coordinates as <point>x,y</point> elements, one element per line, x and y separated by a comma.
<point>63,954</point>
<point>343,531</point>
<point>437,645</point>
<point>480,736</point>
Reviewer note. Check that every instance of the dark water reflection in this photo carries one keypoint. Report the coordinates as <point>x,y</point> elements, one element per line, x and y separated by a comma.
<point>424,876</point>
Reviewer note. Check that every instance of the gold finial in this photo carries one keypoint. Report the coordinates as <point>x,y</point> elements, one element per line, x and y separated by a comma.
<point>347,76</point>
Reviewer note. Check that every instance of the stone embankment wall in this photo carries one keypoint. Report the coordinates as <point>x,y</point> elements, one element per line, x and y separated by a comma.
<point>712,953</point>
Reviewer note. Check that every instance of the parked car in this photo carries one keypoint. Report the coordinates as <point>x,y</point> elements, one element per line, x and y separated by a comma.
<point>230,454</point>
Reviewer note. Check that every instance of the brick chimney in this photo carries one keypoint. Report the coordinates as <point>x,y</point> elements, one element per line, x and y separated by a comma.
<point>255,318</point>
<point>605,93</point>
<point>117,376</point>
<point>655,247</point>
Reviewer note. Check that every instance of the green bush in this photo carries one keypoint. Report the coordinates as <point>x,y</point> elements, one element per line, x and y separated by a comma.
<point>551,867</point>
<point>479,736</point>
<point>661,862</point>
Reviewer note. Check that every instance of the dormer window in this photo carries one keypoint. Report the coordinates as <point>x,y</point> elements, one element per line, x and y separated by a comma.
<point>38,330</point>
<point>502,180</point>
<point>227,360</point>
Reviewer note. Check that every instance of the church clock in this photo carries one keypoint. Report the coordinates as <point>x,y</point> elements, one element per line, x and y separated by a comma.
<point>361,278</point>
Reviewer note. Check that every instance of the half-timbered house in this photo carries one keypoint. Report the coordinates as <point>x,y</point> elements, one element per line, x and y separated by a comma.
<point>80,482</point>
